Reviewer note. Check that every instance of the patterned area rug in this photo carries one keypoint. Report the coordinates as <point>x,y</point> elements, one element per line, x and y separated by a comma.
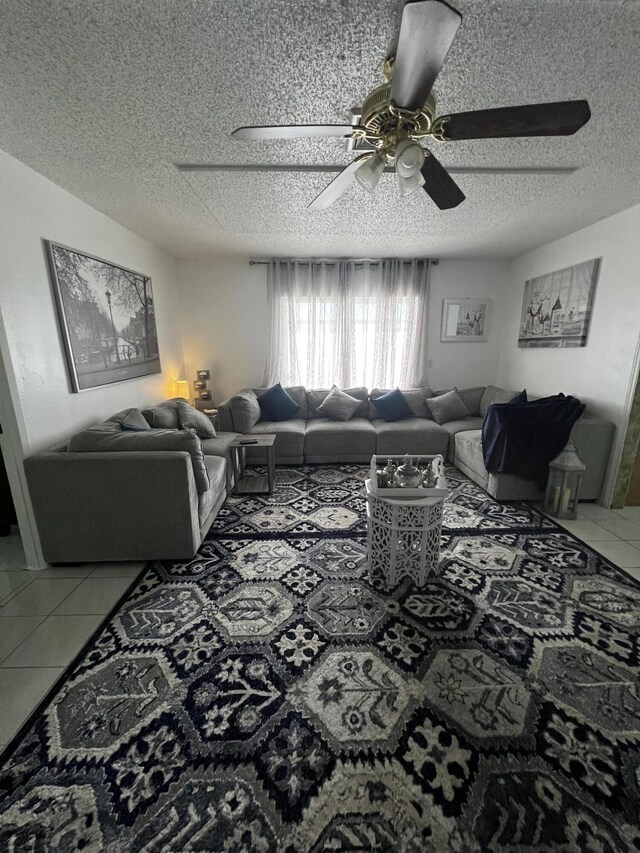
<point>266,697</point>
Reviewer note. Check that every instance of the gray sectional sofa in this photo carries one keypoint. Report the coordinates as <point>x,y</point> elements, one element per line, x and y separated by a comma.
<point>151,490</point>
<point>113,494</point>
<point>310,437</point>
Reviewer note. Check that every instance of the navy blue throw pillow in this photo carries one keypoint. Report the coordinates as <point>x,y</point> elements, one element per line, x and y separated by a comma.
<point>393,406</point>
<point>520,398</point>
<point>276,404</point>
<point>125,427</point>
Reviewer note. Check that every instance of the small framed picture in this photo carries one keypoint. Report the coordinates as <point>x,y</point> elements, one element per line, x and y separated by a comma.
<point>465,319</point>
<point>203,375</point>
<point>205,395</point>
<point>199,385</point>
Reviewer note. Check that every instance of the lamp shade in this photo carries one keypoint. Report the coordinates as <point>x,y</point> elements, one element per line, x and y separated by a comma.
<point>182,388</point>
<point>369,173</point>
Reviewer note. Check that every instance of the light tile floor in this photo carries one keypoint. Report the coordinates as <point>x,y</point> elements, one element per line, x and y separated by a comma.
<point>46,617</point>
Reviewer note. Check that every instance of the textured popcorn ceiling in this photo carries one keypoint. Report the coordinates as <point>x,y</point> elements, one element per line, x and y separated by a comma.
<point>105,98</point>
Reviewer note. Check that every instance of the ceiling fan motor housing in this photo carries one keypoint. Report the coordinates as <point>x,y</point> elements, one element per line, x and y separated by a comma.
<point>380,117</point>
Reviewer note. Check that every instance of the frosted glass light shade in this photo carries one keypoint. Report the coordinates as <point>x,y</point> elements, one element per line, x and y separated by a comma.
<point>369,173</point>
<point>409,158</point>
<point>410,184</point>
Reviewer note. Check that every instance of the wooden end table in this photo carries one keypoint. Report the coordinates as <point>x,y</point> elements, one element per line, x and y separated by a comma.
<point>243,485</point>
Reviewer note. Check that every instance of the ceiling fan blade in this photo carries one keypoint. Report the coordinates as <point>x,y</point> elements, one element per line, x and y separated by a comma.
<point>291,131</point>
<point>557,119</point>
<point>339,184</point>
<point>426,33</point>
<point>439,184</point>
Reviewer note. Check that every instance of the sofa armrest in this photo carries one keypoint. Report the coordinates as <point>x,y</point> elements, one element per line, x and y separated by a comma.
<point>131,505</point>
<point>225,417</point>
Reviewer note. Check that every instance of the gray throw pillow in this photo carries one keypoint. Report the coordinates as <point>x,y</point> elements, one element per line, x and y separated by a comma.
<point>245,411</point>
<point>164,415</point>
<point>338,405</point>
<point>472,398</point>
<point>191,418</point>
<point>448,407</point>
<point>110,438</point>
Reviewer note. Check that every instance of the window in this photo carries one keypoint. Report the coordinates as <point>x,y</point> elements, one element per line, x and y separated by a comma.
<point>346,322</point>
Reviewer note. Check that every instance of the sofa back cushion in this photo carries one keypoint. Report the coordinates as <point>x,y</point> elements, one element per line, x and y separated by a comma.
<point>338,405</point>
<point>491,395</point>
<point>316,397</point>
<point>191,418</point>
<point>245,410</point>
<point>415,397</point>
<point>108,437</point>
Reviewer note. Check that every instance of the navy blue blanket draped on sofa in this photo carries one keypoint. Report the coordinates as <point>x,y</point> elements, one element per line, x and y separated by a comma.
<point>521,438</point>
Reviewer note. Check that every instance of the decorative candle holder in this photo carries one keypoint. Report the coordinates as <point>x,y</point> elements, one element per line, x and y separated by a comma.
<point>563,484</point>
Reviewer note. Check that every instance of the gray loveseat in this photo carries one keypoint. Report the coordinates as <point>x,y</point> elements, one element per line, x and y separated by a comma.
<point>310,437</point>
<point>129,494</point>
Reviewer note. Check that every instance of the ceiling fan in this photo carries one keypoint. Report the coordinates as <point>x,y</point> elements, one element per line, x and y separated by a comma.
<point>397,116</point>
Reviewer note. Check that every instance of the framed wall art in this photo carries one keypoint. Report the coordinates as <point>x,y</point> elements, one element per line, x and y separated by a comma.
<point>556,308</point>
<point>107,318</point>
<point>465,319</point>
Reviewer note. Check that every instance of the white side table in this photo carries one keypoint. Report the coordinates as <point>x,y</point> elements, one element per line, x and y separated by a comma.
<point>403,536</point>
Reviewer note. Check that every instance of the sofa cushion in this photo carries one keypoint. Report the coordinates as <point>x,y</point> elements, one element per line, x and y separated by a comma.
<point>472,398</point>
<point>276,405</point>
<point>338,405</point>
<point>216,471</point>
<point>109,438</point>
<point>164,415</point>
<point>491,395</point>
<point>468,450</point>
<point>191,418</point>
<point>415,397</point>
<point>316,397</point>
<point>417,436</point>
<point>289,443</point>
<point>334,440</point>
<point>219,446</point>
<point>393,406</point>
<point>462,425</point>
<point>245,410</point>
<point>447,407</point>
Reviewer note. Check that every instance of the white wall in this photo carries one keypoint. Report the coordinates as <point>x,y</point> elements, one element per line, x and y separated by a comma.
<point>32,209</point>
<point>465,363</point>
<point>224,303</point>
<point>225,322</point>
<point>603,373</point>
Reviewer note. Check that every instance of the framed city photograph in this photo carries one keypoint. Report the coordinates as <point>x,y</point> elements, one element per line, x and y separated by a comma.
<point>107,318</point>
<point>465,319</point>
<point>556,307</point>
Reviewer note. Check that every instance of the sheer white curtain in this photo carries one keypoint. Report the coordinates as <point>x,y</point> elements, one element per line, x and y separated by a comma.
<point>347,322</point>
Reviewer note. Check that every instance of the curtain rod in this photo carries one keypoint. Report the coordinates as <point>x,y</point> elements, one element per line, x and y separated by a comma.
<point>264,261</point>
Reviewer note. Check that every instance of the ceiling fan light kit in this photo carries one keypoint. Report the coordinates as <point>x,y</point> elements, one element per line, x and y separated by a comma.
<point>368,174</point>
<point>399,115</point>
